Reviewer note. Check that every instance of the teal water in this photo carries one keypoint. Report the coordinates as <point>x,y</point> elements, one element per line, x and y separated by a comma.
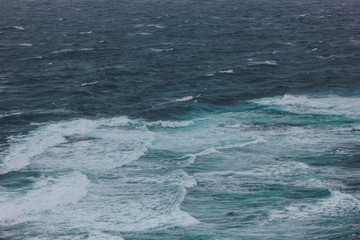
<point>179,120</point>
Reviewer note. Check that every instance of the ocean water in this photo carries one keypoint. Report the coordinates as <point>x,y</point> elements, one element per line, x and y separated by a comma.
<point>179,119</point>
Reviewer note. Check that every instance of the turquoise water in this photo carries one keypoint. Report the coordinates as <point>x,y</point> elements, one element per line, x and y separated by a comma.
<point>179,120</point>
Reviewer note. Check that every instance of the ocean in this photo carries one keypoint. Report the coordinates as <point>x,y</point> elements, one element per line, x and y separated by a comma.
<point>179,119</point>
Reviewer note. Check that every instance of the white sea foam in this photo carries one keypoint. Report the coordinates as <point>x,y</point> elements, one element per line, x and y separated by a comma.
<point>10,114</point>
<point>67,50</point>
<point>25,44</point>
<point>89,83</point>
<point>63,51</point>
<point>84,140</point>
<point>237,125</point>
<point>105,144</point>
<point>170,124</point>
<point>47,194</point>
<point>191,157</point>
<point>184,99</point>
<point>89,32</point>
<point>30,58</point>
<point>98,235</point>
<point>85,49</point>
<point>97,148</point>
<point>268,62</point>
<point>128,203</point>
<point>144,33</point>
<point>161,49</point>
<point>165,209</point>
<point>242,145</point>
<point>158,26</point>
<point>132,193</point>
<point>334,105</point>
<point>227,71</point>
<point>132,203</point>
<point>301,15</point>
<point>270,171</point>
<point>326,57</point>
<point>23,148</point>
<point>336,205</point>
<point>18,27</point>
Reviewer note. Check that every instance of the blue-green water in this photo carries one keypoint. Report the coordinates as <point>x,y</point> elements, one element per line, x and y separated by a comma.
<point>179,119</point>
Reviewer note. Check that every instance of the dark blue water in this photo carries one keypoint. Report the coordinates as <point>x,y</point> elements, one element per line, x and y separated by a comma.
<point>179,119</point>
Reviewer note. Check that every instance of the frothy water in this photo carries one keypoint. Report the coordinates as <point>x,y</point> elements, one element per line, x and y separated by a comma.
<point>227,71</point>
<point>109,175</point>
<point>184,99</point>
<point>334,105</point>
<point>268,62</point>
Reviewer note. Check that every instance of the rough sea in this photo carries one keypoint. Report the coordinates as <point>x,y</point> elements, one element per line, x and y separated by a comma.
<point>179,119</point>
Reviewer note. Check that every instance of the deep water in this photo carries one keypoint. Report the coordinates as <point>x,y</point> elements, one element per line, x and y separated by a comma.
<point>179,119</point>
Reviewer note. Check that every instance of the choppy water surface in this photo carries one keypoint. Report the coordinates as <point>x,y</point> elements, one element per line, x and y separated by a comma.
<point>179,119</point>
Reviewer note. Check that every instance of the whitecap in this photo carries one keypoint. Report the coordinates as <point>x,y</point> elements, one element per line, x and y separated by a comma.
<point>100,150</point>
<point>268,62</point>
<point>326,57</point>
<point>130,203</point>
<point>98,235</point>
<point>242,145</point>
<point>237,125</point>
<point>144,33</point>
<point>36,57</point>
<point>161,49</point>
<point>160,209</point>
<point>23,148</point>
<point>18,27</point>
<point>63,51</point>
<point>191,157</point>
<point>158,26</point>
<point>301,15</point>
<point>86,49</point>
<point>88,145</point>
<point>25,44</point>
<point>132,193</point>
<point>170,124</point>
<point>47,194</point>
<point>89,32</point>
<point>67,50</point>
<point>10,114</point>
<point>184,99</point>
<point>227,71</point>
<point>332,104</point>
<point>337,205</point>
<point>70,201</point>
<point>89,83</point>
